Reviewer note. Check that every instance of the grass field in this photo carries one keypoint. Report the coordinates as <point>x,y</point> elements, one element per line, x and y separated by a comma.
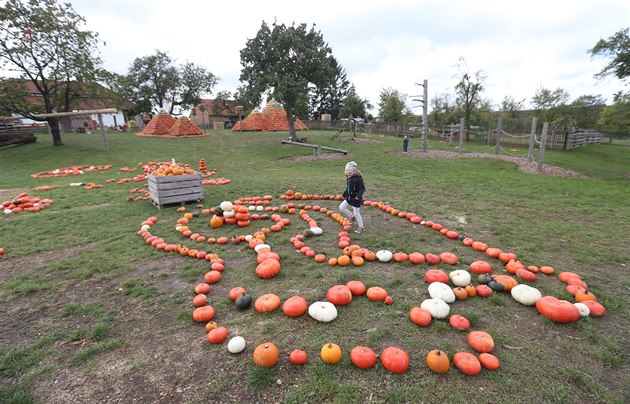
<point>90,313</point>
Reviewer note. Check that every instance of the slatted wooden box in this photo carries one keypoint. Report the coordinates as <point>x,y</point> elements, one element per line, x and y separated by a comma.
<point>174,189</point>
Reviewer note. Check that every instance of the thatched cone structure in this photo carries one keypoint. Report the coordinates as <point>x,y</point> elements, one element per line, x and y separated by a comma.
<point>272,118</point>
<point>164,125</point>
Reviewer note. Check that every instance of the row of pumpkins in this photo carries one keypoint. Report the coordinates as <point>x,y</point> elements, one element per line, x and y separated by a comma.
<point>440,292</point>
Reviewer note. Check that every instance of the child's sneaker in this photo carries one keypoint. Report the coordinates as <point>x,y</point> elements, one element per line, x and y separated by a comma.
<point>360,230</point>
<point>352,220</point>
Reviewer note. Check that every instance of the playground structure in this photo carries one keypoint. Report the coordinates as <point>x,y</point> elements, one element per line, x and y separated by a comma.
<point>351,125</point>
<point>317,148</point>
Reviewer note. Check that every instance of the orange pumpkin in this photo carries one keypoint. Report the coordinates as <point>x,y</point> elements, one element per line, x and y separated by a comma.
<point>376,293</point>
<point>467,363</point>
<point>217,335</point>
<point>266,355</point>
<point>330,353</point>
<point>295,306</point>
<point>267,303</point>
<point>269,268</point>
<point>481,341</point>
<point>203,314</point>
<point>438,361</point>
<point>395,360</point>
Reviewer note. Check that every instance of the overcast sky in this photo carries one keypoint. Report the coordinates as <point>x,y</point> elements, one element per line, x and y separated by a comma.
<point>519,46</point>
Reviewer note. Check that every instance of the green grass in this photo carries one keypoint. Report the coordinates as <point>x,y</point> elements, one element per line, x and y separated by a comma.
<point>80,289</point>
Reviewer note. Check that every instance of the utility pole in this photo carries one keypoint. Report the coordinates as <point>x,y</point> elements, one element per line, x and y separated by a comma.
<point>425,117</point>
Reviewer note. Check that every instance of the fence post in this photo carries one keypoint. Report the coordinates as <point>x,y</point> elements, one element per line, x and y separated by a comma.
<point>497,145</point>
<point>532,141</point>
<point>461,135</point>
<point>541,150</point>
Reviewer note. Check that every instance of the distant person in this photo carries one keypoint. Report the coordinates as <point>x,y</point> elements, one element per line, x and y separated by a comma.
<point>405,143</point>
<point>353,196</point>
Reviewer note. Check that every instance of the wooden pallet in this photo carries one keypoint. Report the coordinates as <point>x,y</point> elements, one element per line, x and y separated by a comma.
<point>173,189</point>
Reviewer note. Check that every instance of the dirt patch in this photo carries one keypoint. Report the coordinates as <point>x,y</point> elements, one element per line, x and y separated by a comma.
<point>523,164</point>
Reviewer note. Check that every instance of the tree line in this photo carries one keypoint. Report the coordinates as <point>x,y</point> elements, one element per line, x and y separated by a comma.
<point>44,43</point>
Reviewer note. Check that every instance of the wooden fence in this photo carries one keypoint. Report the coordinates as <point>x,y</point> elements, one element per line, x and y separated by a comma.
<point>581,138</point>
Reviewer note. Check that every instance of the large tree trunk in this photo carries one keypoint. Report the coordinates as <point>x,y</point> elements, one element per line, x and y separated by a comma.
<point>291,123</point>
<point>53,124</point>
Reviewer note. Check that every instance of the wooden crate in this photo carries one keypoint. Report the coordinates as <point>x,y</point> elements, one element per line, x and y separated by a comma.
<point>174,189</point>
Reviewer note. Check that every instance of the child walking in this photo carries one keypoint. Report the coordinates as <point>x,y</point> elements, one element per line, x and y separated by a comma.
<point>353,195</point>
<point>405,143</point>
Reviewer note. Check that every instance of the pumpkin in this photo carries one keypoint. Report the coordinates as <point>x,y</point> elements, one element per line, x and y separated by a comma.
<point>437,307</point>
<point>203,288</point>
<point>356,287</point>
<point>265,255</point>
<point>584,310</point>
<point>513,265</point>
<point>298,357</point>
<point>243,301</point>
<point>493,252</point>
<point>203,314</point>
<point>376,293</point>
<point>480,267</point>
<point>526,275</point>
<point>495,286</point>
<point>362,357</point>
<point>388,300</point>
<point>268,268</point>
<point>416,258</point>
<point>564,276</point>
<point>460,277</point>
<point>467,363</point>
<point>212,277</point>
<point>506,281</point>
<point>584,295</point>
<point>577,281</point>
<point>210,325</point>
<point>216,221</point>
<point>557,310</point>
<point>384,255</point>
<point>459,322</point>
<point>489,361</point>
<point>330,353</point>
<point>295,306</point>
<point>420,316</point>
<point>236,345</point>
<point>547,270</point>
<point>323,311</point>
<point>339,295</point>
<point>471,290</point>
<point>439,290</point>
<point>432,259</point>
<point>596,309</point>
<point>400,256</point>
<point>236,292</point>
<point>438,361</point>
<point>449,258</point>
<point>484,279</point>
<point>525,294</point>
<point>395,360</point>
<point>218,335</point>
<point>200,300</point>
<point>481,341</point>
<point>267,303</point>
<point>460,293</point>
<point>436,275</point>
<point>266,355</point>
<point>226,205</point>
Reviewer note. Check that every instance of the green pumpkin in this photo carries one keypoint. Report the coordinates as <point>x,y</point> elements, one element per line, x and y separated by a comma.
<point>243,301</point>
<point>496,286</point>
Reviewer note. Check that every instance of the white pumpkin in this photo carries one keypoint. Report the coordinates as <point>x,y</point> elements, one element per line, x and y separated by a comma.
<point>584,310</point>
<point>248,237</point>
<point>251,207</point>
<point>260,246</point>
<point>8,211</point>
<point>323,311</point>
<point>460,277</point>
<point>260,208</point>
<point>226,205</point>
<point>229,213</point>
<point>317,230</point>
<point>145,227</point>
<point>436,307</point>
<point>525,294</point>
<point>384,255</point>
<point>236,344</point>
<point>439,290</point>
